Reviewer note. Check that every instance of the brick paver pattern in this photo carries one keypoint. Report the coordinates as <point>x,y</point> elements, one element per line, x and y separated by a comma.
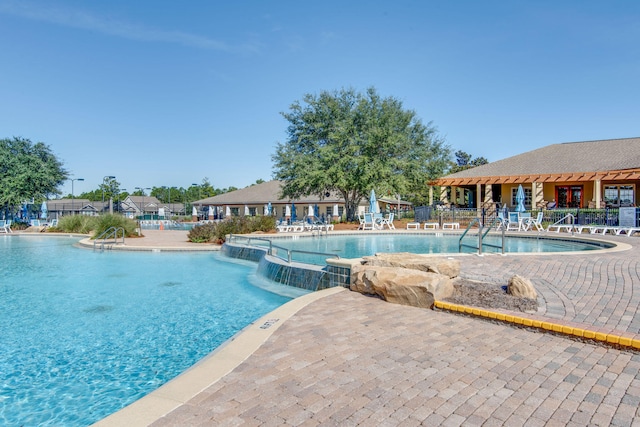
<point>349,359</point>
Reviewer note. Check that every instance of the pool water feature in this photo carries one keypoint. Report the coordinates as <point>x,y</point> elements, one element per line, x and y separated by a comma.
<point>365,243</point>
<point>86,333</point>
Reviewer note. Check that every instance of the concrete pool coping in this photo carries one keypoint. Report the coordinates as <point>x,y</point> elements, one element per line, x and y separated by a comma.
<point>210,369</point>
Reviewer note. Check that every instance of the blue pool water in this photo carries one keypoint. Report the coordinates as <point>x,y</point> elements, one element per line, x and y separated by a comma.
<point>362,244</point>
<point>85,333</point>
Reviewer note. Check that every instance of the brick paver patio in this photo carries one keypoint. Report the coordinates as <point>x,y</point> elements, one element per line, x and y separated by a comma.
<point>347,359</point>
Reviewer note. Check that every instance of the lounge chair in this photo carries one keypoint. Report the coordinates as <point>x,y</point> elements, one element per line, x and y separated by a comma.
<point>4,227</point>
<point>626,230</point>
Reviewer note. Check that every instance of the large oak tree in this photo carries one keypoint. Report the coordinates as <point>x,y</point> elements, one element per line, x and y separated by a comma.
<point>349,142</point>
<point>27,171</point>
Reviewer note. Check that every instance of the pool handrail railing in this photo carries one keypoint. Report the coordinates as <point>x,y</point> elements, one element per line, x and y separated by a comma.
<point>481,236</point>
<point>111,232</point>
<point>271,252</point>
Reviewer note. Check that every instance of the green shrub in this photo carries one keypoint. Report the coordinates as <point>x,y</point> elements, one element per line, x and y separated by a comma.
<point>95,225</point>
<point>263,223</point>
<point>77,224</point>
<point>203,233</point>
<point>104,222</point>
<point>217,232</point>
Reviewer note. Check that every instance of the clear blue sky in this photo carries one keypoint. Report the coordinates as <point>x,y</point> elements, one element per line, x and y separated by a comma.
<point>167,93</point>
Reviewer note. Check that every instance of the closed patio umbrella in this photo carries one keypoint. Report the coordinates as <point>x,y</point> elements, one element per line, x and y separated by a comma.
<point>269,208</point>
<point>373,202</point>
<point>227,212</point>
<point>211,213</point>
<point>311,211</point>
<point>293,212</point>
<point>246,210</point>
<point>336,211</point>
<point>520,199</point>
<point>43,210</point>
<point>287,211</point>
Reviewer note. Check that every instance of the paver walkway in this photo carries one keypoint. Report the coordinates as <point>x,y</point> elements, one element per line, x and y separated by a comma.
<point>348,359</point>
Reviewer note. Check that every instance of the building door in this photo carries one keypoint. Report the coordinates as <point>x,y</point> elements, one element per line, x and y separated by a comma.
<point>569,196</point>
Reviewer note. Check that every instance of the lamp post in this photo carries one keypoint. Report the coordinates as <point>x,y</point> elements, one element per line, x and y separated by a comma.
<point>103,185</point>
<point>72,196</point>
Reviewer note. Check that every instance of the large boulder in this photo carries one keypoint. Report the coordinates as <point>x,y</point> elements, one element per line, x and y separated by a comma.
<point>447,266</point>
<point>521,288</point>
<point>401,285</point>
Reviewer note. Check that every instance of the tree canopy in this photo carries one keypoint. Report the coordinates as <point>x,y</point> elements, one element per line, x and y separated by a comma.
<point>27,171</point>
<point>350,143</point>
<point>466,161</point>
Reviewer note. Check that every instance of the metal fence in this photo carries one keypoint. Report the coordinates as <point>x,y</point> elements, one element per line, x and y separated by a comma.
<point>463,216</point>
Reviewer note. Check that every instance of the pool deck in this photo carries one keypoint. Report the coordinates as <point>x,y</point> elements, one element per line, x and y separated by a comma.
<point>339,358</point>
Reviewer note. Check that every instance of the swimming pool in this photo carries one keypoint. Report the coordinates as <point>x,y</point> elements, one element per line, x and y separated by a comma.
<point>86,333</point>
<point>362,244</point>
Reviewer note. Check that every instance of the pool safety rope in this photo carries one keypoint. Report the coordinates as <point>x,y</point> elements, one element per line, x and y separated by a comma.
<point>610,339</point>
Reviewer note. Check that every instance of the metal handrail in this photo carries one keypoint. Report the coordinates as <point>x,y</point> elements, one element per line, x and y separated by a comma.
<point>108,233</point>
<point>561,221</point>
<point>481,236</point>
<point>289,252</point>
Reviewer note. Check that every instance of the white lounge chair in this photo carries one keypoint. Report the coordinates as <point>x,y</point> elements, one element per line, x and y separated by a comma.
<point>626,230</point>
<point>4,227</point>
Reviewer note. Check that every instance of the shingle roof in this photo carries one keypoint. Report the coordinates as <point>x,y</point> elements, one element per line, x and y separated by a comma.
<point>260,194</point>
<point>569,157</point>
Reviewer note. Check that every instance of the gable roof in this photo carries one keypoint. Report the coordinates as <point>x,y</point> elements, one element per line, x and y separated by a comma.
<point>578,160</point>
<point>259,194</point>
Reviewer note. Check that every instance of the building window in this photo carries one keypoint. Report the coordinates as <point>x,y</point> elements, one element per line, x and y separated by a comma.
<point>252,211</point>
<point>234,211</point>
<point>527,197</point>
<point>619,195</point>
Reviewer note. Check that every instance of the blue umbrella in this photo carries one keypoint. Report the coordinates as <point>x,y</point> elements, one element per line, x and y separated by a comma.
<point>269,208</point>
<point>43,209</point>
<point>373,202</point>
<point>293,212</point>
<point>520,199</point>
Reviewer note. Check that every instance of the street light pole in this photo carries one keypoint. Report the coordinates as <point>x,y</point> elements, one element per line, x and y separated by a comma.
<point>72,196</point>
<point>103,185</point>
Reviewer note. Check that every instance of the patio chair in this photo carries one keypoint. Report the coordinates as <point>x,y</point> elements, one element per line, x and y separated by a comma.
<point>369,222</point>
<point>537,222</point>
<point>361,219</point>
<point>3,226</point>
<point>513,221</point>
<point>502,221</point>
<point>388,221</point>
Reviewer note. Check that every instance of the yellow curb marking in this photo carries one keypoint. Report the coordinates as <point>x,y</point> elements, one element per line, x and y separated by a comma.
<point>555,327</point>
